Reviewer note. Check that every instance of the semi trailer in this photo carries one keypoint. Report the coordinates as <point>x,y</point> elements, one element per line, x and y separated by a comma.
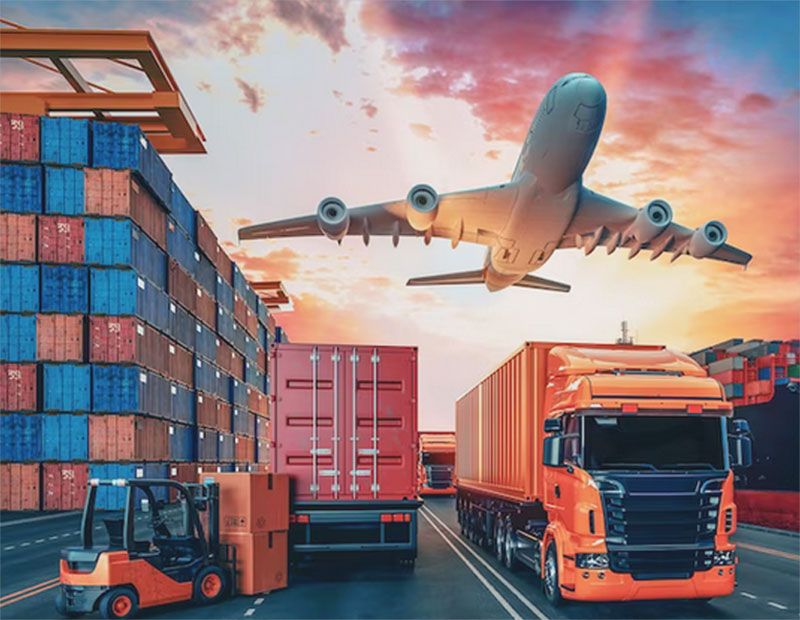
<point>344,428</point>
<point>437,453</point>
<point>606,469</point>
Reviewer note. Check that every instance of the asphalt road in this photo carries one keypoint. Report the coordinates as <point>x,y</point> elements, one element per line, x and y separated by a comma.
<point>452,579</point>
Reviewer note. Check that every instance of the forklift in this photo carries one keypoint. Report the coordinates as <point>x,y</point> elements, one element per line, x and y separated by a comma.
<point>174,561</point>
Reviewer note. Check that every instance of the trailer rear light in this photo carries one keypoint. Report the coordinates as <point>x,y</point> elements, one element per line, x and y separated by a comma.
<point>292,519</point>
<point>630,408</point>
<point>302,518</point>
<point>397,517</point>
<point>694,408</point>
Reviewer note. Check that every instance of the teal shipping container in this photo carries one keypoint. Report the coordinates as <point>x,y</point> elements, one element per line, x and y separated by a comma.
<point>121,292</point>
<point>65,289</point>
<point>65,437</point>
<point>65,141</point>
<point>20,437</point>
<point>63,190</point>
<point>67,387</point>
<point>130,389</point>
<point>17,337</point>
<point>21,188</point>
<point>19,288</point>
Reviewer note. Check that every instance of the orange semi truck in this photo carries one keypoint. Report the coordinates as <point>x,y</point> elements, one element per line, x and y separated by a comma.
<point>437,453</point>
<point>606,469</point>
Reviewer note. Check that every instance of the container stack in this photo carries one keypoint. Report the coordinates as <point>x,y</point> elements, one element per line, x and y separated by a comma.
<point>750,370</point>
<point>130,344</point>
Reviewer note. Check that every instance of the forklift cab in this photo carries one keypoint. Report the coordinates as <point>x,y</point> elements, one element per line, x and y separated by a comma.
<point>150,553</point>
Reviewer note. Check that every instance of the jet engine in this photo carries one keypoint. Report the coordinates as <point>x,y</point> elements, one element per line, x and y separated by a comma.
<point>708,238</point>
<point>423,205</point>
<point>333,218</point>
<point>650,221</point>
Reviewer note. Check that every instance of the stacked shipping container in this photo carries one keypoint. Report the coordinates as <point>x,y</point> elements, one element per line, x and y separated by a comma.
<point>130,344</point>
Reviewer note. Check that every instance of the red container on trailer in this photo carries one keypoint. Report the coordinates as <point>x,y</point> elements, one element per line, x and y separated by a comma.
<point>17,237</point>
<point>224,420</point>
<point>224,266</point>
<point>180,364</point>
<point>206,239</point>
<point>64,485</point>
<point>59,337</point>
<point>206,407</point>
<point>116,339</point>
<point>19,486</point>
<point>61,239</point>
<point>19,137</point>
<point>182,287</point>
<point>206,308</point>
<point>127,438</point>
<point>368,436</point>
<point>256,401</point>
<point>17,387</point>
<point>244,449</point>
<point>115,192</point>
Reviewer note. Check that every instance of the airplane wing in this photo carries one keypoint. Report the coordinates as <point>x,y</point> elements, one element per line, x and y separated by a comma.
<point>600,220</point>
<point>476,216</point>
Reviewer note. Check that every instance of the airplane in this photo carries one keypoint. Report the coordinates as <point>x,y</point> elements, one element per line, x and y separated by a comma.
<point>543,208</point>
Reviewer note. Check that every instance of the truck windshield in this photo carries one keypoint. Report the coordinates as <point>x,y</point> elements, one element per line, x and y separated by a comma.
<point>438,458</point>
<point>645,443</point>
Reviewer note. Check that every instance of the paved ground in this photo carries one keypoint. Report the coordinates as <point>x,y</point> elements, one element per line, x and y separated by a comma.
<point>452,579</point>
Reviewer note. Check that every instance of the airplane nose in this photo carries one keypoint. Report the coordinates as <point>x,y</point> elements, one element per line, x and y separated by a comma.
<point>590,91</point>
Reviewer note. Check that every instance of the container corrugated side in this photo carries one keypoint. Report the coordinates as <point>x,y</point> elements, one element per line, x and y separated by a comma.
<point>64,289</point>
<point>21,188</point>
<point>20,486</point>
<point>17,337</point>
<point>65,141</point>
<point>18,237</point>
<point>61,239</point>
<point>64,485</point>
<point>20,437</point>
<point>64,189</point>
<point>19,137</point>
<point>18,387</point>
<point>59,337</point>
<point>121,292</point>
<point>130,389</point>
<point>19,288</point>
<point>65,437</point>
<point>67,387</point>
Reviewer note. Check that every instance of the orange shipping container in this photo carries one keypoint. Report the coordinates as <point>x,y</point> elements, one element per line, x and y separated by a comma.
<point>206,308</point>
<point>239,309</point>
<point>253,503</point>
<point>59,337</point>
<point>224,420</point>
<point>224,266</point>
<point>261,560</point>
<point>244,449</point>
<point>182,472</point>
<point>64,486</point>
<point>127,438</point>
<point>17,237</point>
<point>18,387</point>
<point>19,486</point>
<point>256,401</point>
<point>180,365</point>
<point>224,355</point>
<point>206,407</point>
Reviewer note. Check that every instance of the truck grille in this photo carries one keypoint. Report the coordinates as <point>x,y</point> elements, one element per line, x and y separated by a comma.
<point>439,476</point>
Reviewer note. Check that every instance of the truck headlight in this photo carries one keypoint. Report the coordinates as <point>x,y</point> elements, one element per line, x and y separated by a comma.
<point>724,557</point>
<point>591,560</point>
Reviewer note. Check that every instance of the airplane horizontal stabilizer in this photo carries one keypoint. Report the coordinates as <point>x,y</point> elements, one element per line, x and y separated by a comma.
<point>463,277</point>
<point>530,281</point>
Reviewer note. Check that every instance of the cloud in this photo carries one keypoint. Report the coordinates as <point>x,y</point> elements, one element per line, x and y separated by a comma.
<point>239,222</point>
<point>252,94</point>
<point>492,154</point>
<point>756,102</point>
<point>281,264</point>
<point>322,18</point>
<point>369,107</point>
<point>422,130</point>
<point>371,149</point>
<point>204,86</point>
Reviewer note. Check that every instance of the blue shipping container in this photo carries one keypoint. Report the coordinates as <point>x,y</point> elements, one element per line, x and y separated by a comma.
<point>225,324</point>
<point>239,282</point>
<point>205,341</point>
<point>63,190</point>
<point>121,292</point>
<point>224,294</point>
<point>184,214</point>
<point>17,337</point>
<point>764,373</point>
<point>181,442</point>
<point>120,243</point>
<point>67,387</point>
<point>243,422</point>
<point>251,299</point>
<point>207,441</point>
<point>65,437</point>
<point>130,389</point>
<point>226,449</point>
<point>205,377</point>
<point>19,288</point>
<point>206,274</point>
<point>65,289</point>
<point>20,188</point>
<point>263,340</point>
<point>182,248</point>
<point>113,497</point>
<point>182,326</point>
<point>262,427</point>
<point>250,348</point>
<point>238,393</point>
<point>183,405</point>
<point>262,312</point>
<point>20,437</point>
<point>223,386</point>
<point>239,337</point>
<point>65,141</point>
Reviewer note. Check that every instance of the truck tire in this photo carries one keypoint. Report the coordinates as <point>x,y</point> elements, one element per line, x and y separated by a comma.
<point>550,582</point>
<point>510,547</point>
<point>210,585</point>
<point>499,539</point>
<point>118,603</point>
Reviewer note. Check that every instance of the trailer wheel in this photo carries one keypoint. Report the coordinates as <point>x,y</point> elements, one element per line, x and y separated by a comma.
<point>510,547</point>
<point>499,539</point>
<point>118,603</point>
<point>210,585</point>
<point>550,584</point>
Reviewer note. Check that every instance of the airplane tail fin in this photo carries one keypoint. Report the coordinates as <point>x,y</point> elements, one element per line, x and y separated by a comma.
<point>462,277</point>
<point>530,281</point>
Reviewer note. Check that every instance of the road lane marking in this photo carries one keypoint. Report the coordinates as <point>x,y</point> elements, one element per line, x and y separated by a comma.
<point>502,579</point>
<point>39,540</point>
<point>777,605</point>
<point>67,535</point>
<point>53,538</point>
<point>9,548</point>
<point>258,601</point>
<point>748,595</point>
<point>20,595</point>
<point>76,532</point>
<point>25,544</point>
<point>42,518</point>
<point>250,611</point>
<point>780,554</point>
<point>499,597</point>
<point>18,592</point>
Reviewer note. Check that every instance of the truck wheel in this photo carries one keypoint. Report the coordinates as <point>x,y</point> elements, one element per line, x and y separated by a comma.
<point>118,603</point>
<point>510,547</point>
<point>550,584</point>
<point>499,540</point>
<point>210,585</point>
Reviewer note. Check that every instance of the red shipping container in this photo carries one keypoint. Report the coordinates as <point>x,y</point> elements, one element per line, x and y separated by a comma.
<point>271,325</point>
<point>61,239</point>
<point>206,239</point>
<point>224,420</point>
<point>373,452</point>
<point>59,337</point>
<point>224,355</point>
<point>182,287</point>
<point>19,486</point>
<point>114,192</point>
<point>728,377</point>
<point>127,340</point>
<point>262,360</point>
<point>17,237</point>
<point>64,486</point>
<point>18,387</point>
<point>239,309</point>
<point>182,472</point>
<point>128,438</point>
<point>206,308</point>
<point>251,324</point>
<point>224,265</point>
<point>256,401</point>
<point>206,407</point>
<point>19,137</point>
<point>244,449</point>
<point>180,364</point>
<point>237,365</point>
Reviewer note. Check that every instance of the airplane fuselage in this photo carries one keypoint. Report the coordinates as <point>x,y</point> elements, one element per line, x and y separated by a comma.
<point>558,146</point>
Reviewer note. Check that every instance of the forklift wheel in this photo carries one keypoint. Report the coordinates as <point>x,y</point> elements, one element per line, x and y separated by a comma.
<point>118,603</point>
<point>210,585</point>
<point>61,607</point>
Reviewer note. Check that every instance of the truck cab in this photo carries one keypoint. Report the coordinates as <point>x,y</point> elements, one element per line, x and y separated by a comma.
<point>638,454</point>
<point>437,453</point>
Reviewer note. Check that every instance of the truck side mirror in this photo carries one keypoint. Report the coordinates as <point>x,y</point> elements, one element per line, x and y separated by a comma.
<point>741,451</point>
<point>553,451</point>
<point>552,425</point>
<point>741,427</point>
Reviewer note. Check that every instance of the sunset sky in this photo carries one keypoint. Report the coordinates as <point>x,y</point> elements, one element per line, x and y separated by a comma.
<point>307,99</point>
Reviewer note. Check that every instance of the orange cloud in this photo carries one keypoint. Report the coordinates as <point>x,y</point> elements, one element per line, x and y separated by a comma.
<point>492,154</point>
<point>369,108</point>
<point>422,130</point>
